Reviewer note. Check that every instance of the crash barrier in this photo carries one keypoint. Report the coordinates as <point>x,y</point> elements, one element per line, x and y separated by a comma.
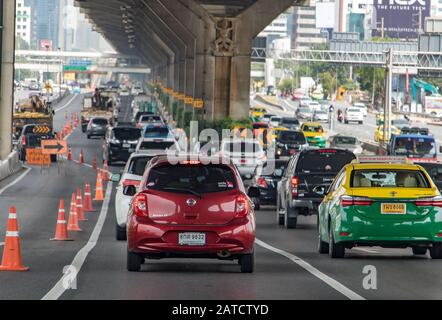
<point>266,101</point>
<point>10,165</point>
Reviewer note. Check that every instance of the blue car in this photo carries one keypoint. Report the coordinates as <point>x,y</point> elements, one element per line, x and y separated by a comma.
<point>157,132</point>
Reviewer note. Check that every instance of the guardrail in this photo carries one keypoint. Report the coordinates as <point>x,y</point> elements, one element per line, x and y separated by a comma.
<point>10,165</point>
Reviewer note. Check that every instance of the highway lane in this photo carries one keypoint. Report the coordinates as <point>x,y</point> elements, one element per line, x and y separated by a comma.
<point>104,275</point>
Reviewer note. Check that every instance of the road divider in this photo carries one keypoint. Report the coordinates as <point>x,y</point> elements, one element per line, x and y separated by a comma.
<point>10,165</point>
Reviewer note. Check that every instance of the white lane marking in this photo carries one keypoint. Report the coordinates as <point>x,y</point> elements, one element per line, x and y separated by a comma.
<point>56,292</point>
<point>17,180</point>
<point>318,274</point>
<point>67,104</point>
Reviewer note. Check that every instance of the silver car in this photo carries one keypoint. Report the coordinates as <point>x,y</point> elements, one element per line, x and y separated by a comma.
<point>347,143</point>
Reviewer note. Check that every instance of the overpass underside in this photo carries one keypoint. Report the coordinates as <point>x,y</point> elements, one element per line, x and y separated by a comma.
<point>200,48</point>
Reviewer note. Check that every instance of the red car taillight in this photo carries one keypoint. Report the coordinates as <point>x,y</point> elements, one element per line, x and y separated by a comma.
<point>130,182</point>
<point>23,140</point>
<point>295,183</point>
<point>347,201</point>
<point>242,206</point>
<point>262,183</point>
<point>429,202</point>
<point>140,205</point>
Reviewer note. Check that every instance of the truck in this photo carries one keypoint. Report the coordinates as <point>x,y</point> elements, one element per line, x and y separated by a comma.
<point>103,108</point>
<point>428,95</point>
<point>417,144</point>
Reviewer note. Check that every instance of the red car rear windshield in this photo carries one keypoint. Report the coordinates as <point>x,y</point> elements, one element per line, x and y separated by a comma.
<point>196,178</point>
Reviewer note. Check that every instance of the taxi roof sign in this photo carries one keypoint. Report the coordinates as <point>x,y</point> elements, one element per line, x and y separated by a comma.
<point>381,159</point>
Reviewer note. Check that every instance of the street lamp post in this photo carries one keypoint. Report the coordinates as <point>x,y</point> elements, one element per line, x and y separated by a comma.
<point>47,74</point>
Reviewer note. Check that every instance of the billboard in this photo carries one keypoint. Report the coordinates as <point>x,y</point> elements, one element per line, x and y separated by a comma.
<point>46,44</point>
<point>401,17</point>
<point>325,17</point>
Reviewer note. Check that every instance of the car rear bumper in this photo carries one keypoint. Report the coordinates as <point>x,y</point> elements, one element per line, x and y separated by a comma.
<point>267,196</point>
<point>310,204</point>
<point>117,154</point>
<point>96,132</point>
<point>156,239</point>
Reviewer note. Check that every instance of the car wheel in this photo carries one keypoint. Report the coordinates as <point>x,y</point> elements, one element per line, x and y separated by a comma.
<point>336,250</point>
<point>290,222</point>
<point>121,233</point>
<point>134,261</point>
<point>247,263</point>
<point>436,251</point>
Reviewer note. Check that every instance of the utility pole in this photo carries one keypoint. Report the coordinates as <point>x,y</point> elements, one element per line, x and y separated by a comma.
<point>382,28</point>
<point>373,87</point>
<point>388,87</point>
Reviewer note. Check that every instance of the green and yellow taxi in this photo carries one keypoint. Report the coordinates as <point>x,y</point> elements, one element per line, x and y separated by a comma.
<point>257,112</point>
<point>383,201</point>
<point>315,134</point>
<point>379,133</point>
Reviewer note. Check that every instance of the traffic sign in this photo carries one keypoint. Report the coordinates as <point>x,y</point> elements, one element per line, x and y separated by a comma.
<point>42,130</point>
<point>198,104</point>
<point>188,100</point>
<point>74,68</point>
<point>36,157</point>
<point>54,147</point>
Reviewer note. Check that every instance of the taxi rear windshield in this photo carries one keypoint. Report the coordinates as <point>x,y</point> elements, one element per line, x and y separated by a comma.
<point>388,179</point>
<point>191,178</point>
<point>313,129</point>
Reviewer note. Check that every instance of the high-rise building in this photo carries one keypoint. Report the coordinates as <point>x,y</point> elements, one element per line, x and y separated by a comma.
<point>23,21</point>
<point>305,35</point>
<point>45,22</point>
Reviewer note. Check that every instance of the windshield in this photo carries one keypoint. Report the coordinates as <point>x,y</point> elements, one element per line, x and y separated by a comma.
<point>152,145</point>
<point>150,119</point>
<point>275,119</point>
<point>319,161</point>
<point>197,178</point>
<point>156,132</point>
<point>138,165</point>
<point>291,137</point>
<point>127,134</point>
<point>102,122</point>
<point>345,140</point>
<point>304,110</point>
<point>317,129</point>
<point>243,147</point>
<point>388,179</point>
<point>260,126</point>
<point>418,147</point>
<point>290,121</point>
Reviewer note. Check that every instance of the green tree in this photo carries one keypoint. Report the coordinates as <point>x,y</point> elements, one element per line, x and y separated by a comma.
<point>372,79</point>
<point>285,84</point>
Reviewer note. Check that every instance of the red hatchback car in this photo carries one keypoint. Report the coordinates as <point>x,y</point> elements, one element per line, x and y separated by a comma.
<point>191,210</point>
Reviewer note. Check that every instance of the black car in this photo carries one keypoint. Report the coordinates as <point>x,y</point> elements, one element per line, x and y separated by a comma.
<point>288,143</point>
<point>119,143</point>
<point>434,169</point>
<point>266,179</point>
<point>31,139</point>
<point>307,170</point>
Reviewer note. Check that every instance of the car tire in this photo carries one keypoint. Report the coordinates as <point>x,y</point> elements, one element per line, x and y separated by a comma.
<point>336,250</point>
<point>290,222</point>
<point>247,263</point>
<point>134,261</point>
<point>281,220</point>
<point>419,251</point>
<point>121,234</point>
<point>436,251</point>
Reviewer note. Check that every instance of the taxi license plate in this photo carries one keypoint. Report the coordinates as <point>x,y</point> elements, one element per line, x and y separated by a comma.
<point>192,239</point>
<point>393,208</point>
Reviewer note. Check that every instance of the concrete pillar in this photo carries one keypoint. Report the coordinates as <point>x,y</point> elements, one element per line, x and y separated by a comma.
<point>7,76</point>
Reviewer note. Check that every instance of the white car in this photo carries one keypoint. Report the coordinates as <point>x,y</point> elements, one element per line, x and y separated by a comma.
<point>353,114</point>
<point>246,154</point>
<point>275,122</point>
<point>361,106</point>
<point>314,106</point>
<point>304,103</point>
<point>130,176</point>
<point>320,116</point>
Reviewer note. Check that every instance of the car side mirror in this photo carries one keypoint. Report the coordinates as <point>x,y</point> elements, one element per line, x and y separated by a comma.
<point>130,191</point>
<point>253,192</point>
<point>320,190</point>
<point>116,177</point>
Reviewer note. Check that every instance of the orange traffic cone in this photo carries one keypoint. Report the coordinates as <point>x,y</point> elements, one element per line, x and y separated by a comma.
<point>94,163</point>
<point>70,155</point>
<point>87,204</point>
<point>73,218</point>
<point>105,171</point>
<point>81,160</point>
<point>61,231</point>
<point>99,196</point>
<point>80,211</point>
<point>12,260</point>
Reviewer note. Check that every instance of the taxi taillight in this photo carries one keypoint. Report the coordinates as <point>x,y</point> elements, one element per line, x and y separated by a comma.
<point>429,202</point>
<point>140,205</point>
<point>347,201</point>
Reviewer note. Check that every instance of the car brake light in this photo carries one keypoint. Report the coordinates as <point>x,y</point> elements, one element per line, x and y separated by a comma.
<point>429,202</point>
<point>130,182</point>
<point>262,183</point>
<point>242,206</point>
<point>347,201</point>
<point>189,162</point>
<point>295,183</point>
<point>140,205</point>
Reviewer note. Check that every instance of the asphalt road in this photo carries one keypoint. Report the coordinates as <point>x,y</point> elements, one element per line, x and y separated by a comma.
<point>287,263</point>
